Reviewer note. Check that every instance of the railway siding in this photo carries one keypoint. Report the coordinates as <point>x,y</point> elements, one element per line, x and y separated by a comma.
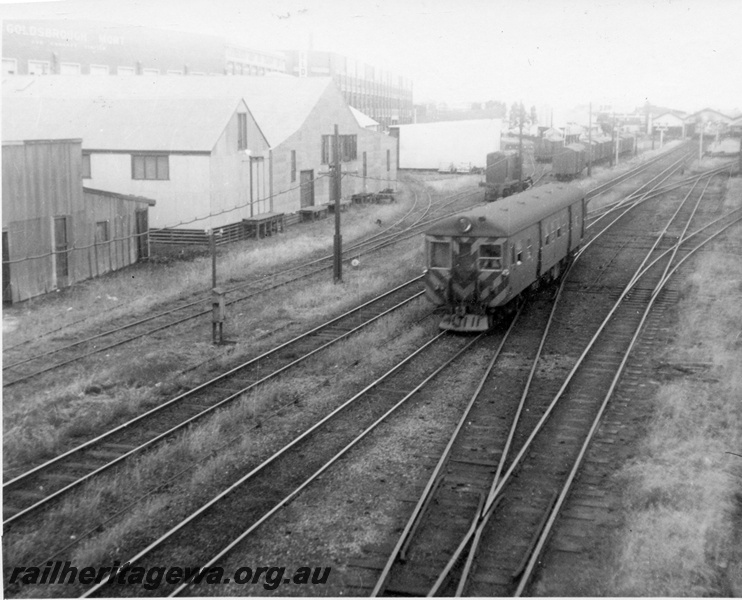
<point>589,557</point>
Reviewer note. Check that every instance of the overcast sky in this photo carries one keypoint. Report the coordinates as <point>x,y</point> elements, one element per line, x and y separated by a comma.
<point>686,54</point>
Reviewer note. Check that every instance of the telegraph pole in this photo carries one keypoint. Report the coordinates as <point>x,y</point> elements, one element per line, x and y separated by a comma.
<point>613,139</point>
<point>338,240</point>
<point>520,147</point>
<point>700,141</point>
<point>590,139</point>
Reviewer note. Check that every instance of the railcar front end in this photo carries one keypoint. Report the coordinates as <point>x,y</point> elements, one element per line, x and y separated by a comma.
<point>467,275</point>
<point>479,262</point>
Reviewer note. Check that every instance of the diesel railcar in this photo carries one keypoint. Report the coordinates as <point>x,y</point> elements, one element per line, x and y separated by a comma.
<point>480,261</point>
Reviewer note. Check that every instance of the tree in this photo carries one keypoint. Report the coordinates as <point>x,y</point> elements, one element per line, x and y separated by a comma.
<point>515,114</point>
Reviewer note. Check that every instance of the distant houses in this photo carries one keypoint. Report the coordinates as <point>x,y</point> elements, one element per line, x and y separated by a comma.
<point>676,123</point>
<point>209,152</point>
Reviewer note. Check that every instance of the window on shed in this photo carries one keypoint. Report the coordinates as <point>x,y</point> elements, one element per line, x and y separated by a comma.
<point>86,165</point>
<point>101,232</point>
<point>150,166</point>
<point>349,145</point>
<point>490,257</point>
<point>348,148</point>
<point>388,160</point>
<point>69,69</point>
<point>241,131</point>
<point>365,166</point>
<point>10,67</point>
<point>99,69</point>
<point>293,166</point>
<point>39,67</point>
<point>326,149</point>
<point>440,255</point>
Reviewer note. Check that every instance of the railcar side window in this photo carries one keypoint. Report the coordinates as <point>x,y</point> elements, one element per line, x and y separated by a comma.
<point>529,245</point>
<point>519,252</point>
<point>559,228</point>
<point>490,257</point>
<point>440,255</point>
<point>546,238</point>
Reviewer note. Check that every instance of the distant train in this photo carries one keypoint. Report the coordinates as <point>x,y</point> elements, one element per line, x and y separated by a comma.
<point>480,261</point>
<point>569,162</point>
<point>503,176</point>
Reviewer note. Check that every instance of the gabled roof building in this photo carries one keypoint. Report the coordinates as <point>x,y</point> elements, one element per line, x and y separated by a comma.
<point>211,151</point>
<point>188,154</point>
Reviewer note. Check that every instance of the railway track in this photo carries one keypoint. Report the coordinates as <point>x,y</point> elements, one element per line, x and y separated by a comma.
<point>28,492</point>
<point>230,518</point>
<point>19,367</point>
<point>22,365</point>
<point>532,497</point>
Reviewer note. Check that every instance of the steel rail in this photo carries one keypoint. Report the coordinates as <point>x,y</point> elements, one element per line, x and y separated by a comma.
<point>208,311</point>
<point>635,197</point>
<point>596,191</point>
<point>483,517</point>
<point>197,417</point>
<point>202,386</point>
<point>498,486</point>
<point>430,486</point>
<point>159,541</point>
<point>596,422</point>
<point>660,190</point>
<point>176,322</point>
<point>99,349</point>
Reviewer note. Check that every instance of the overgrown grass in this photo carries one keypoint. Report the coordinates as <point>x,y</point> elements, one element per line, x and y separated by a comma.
<point>683,499</point>
<point>218,451</point>
<point>141,287</point>
<point>41,424</point>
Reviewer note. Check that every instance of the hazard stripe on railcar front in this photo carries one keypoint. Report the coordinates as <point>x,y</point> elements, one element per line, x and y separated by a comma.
<point>436,283</point>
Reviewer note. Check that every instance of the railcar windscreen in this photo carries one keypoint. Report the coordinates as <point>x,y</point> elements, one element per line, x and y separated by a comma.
<point>440,255</point>
<point>490,257</point>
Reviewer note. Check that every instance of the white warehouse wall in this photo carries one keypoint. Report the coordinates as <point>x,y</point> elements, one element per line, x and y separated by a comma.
<point>431,145</point>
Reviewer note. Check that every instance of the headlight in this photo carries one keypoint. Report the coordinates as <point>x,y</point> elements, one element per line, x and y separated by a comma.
<point>464,225</point>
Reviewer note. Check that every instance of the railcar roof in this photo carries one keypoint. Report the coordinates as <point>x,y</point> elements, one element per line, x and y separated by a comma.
<point>512,214</point>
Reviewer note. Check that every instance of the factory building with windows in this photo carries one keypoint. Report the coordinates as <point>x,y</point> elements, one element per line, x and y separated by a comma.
<point>382,95</point>
<point>64,47</point>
